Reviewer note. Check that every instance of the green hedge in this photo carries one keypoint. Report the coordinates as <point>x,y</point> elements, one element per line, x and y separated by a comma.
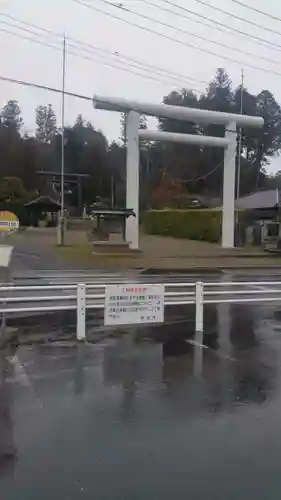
<point>193,224</point>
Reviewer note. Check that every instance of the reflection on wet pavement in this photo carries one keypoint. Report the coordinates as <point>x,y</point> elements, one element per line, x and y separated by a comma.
<point>147,414</point>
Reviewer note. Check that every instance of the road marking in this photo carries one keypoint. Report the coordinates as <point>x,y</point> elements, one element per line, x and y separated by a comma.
<point>197,344</point>
<point>203,346</point>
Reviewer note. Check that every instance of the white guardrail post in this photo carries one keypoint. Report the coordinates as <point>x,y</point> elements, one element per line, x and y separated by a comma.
<point>199,327</point>
<point>199,320</point>
<point>5,259</point>
<point>81,312</point>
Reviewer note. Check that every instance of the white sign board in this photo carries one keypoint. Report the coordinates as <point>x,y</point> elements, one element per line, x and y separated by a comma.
<point>5,255</point>
<point>133,304</point>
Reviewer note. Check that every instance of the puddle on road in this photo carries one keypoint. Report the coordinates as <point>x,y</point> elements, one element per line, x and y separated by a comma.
<point>147,408</point>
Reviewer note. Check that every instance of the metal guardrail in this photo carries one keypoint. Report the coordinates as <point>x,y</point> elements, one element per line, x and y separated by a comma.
<point>80,297</point>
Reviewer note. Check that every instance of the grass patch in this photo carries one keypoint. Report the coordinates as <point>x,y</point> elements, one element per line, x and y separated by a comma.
<point>82,254</point>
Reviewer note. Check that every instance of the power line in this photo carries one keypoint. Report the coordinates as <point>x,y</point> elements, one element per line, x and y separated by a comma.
<point>141,63</point>
<point>185,32</point>
<point>33,40</point>
<point>168,81</point>
<point>271,16</point>
<point>147,70</point>
<point>95,48</point>
<point>25,83</point>
<point>178,29</point>
<point>256,39</point>
<point>149,77</point>
<point>184,77</point>
<point>43,87</point>
<point>177,76</point>
<point>40,42</point>
<point>152,67</point>
<point>176,40</point>
<point>244,52</point>
<point>221,27</point>
<point>243,19</point>
<point>48,31</point>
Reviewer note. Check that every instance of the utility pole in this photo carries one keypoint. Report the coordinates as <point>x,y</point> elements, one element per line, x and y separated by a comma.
<point>240,140</point>
<point>62,221</point>
<point>112,181</point>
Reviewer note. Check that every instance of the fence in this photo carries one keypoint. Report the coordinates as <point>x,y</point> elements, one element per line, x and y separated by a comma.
<point>82,297</point>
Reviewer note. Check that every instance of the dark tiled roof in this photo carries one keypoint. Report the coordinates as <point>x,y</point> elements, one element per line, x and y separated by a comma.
<point>43,200</point>
<point>127,212</point>
<point>260,199</point>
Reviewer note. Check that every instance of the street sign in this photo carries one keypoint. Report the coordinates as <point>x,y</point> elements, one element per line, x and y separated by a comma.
<point>9,222</point>
<point>133,304</point>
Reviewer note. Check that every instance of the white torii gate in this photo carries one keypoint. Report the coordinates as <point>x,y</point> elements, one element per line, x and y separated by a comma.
<point>135,108</point>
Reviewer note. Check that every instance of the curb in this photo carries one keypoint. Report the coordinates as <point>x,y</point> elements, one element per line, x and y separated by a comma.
<point>209,270</point>
<point>185,270</point>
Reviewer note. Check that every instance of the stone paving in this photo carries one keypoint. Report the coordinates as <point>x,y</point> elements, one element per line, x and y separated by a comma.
<point>36,249</point>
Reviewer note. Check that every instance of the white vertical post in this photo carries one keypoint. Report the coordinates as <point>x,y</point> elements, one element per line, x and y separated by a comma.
<point>62,227</point>
<point>132,183</point>
<point>81,312</point>
<point>5,259</point>
<point>199,324</point>
<point>229,188</point>
<point>240,140</point>
<point>199,329</point>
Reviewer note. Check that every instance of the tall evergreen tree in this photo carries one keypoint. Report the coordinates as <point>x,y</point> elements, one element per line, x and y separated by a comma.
<point>79,122</point>
<point>46,123</point>
<point>11,116</point>
<point>219,92</point>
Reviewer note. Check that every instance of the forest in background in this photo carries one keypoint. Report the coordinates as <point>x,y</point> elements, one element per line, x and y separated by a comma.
<point>167,170</point>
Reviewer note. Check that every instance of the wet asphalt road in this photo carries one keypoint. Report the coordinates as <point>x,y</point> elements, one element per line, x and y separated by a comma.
<point>147,414</point>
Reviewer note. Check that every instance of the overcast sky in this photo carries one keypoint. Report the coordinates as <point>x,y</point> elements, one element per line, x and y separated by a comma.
<point>26,60</point>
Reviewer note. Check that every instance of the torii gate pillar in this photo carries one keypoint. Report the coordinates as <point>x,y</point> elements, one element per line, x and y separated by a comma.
<point>132,178</point>
<point>228,213</point>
